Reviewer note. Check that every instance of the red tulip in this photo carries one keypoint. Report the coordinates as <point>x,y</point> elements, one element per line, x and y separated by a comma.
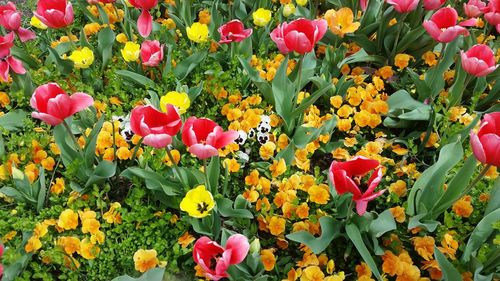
<point>215,259</point>
<point>443,27</point>
<point>233,31</point>
<point>299,35</point>
<point>346,177</point>
<point>204,137</point>
<point>55,13</point>
<point>10,19</point>
<point>145,20</point>
<point>151,53</point>
<point>363,4</point>
<point>492,12</point>
<point>430,5</point>
<point>95,2</point>
<point>474,8</point>
<point>403,6</point>
<point>486,142</point>
<point>1,266</point>
<point>156,127</point>
<point>8,62</point>
<point>478,60</point>
<point>54,105</point>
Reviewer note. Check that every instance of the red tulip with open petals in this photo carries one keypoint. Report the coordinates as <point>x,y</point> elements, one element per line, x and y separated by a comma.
<point>55,13</point>
<point>53,104</point>
<point>145,20</point>
<point>346,177</point>
<point>233,31</point>
<point>204,137</point>
<point>215,259</point>
<point>151,53</point>
<point>443,27</point>
<point>157,128</point>
<point>299,35</point>
<point>486,142</point>
<point>478,60</point>
<point>403,6</point>
<point>10,19</point>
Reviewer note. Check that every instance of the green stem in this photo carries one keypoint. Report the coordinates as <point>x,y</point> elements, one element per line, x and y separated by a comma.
<point>176,168</point>
<point>226,181</point>
<point>68,129</point>
<point>137,146</point>
<point>205,172</point>
<point>476,180</point>
<point>68,32</point>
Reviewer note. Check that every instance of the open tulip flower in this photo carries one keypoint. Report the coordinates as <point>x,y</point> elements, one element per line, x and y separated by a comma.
<point>10,19</point>
<point>479,60</point>
<point>156,127</point>
<point>198,202</point>
<point>233,31</point>
<point>215,259</point>
<point>145,20</point>
<point>204,137</point>
<point>299,35</point>
<point>403,6</point>
<point>53,104</point>
<point>151,52</point>
<point>486,142</point>
<point>443,27</point>
<point>474,8</point>
<point>55,13</point>
<point>346,177</point>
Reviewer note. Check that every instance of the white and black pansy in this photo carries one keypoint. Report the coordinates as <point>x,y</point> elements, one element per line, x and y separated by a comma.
<point>264,126</point>
<point>262,138</point>
<point>242,138</point>
<point>251,134</point>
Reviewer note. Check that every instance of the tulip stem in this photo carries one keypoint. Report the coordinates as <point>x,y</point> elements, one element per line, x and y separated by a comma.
<point>137,146</point>
<point>65,124</point>
<point>205,172</point>
<point>176,168</point>
<point>226,181</point>
<point>476,180</point>
<point>73,45</point>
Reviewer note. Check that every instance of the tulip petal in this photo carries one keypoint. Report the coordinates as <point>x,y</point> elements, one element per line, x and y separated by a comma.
<point>47,118</point>
<point>477,147</point>
<point>361,206</point>
<point>374,180</point>
<point>157,140</point>
<point>25,34</point>
<point>16,65</point>
<point>4,71</point>
<point>298,42</point>
<point>145,23</point>
<point>491,146</point>
<point>80,101</point>
<point>343,183</point>
<point>239,246</point>
<point>203,151</point>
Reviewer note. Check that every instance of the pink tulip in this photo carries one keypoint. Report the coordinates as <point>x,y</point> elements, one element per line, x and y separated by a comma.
<point>157,128</point>
<point>204,137</point>
<point>474,8</point>
<point>10,19</point>
<point>492,12</point>
<point>151,53</point>
<point>95,2</point>
<point>479,60</point>
<point>486,142</point>
<point>8,62</point>
<point>443,27</point>
<point>346,178</point>
<point>403,6</point>
<point>54,105</point>
<point>1,266</point>
<point>145,20</point>
<point>55,13</point>
<point>363,4</point>
<point>299,35</point>
<point>233,31</point>
<point>430,5</point>
<point>215,259</point>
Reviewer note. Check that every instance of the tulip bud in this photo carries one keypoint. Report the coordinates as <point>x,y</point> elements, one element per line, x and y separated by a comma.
<point>301,2</point>
<point>288,10</point>
<point>17,174</point>
<point>255,246</point>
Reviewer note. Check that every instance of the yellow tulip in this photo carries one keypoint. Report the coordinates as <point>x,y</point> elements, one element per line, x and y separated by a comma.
<point>301,2</point>
<point>131,51</point>
<point>261,17</point>
<point>198,202</point>
<point>288,10</point>
<point>198,32</point>
<point>37,23</point>
<point>82,58</point>
<point>179,100</point>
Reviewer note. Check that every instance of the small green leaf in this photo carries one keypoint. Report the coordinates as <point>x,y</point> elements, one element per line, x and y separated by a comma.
<point>137,78</point>
<point>13,120</point>
<point>330,229</point>
<point>105,39</point>
<point>155,274</point>
<point>185,67</point>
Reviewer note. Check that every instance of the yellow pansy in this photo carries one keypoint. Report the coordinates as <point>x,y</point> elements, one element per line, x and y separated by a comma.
<point>145,260</point>
<point>179,100</point>
<point>198,32</point>
<point>198,202</point>
<point>68,220</point>
<point>341,21</point>
<point>261,17</point>
<point>37,23</point>
<point>131,51</point>
<point>82,58</point>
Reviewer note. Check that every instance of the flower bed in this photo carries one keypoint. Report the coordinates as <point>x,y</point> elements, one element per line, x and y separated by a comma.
<point>249,140</point>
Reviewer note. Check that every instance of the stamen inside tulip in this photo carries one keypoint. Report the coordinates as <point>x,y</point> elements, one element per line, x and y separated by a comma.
<point>213,261</point>
<point>202,207</point>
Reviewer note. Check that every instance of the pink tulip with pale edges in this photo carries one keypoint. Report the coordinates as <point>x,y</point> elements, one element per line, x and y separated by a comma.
<point>474,8</point>
<point>430,5</point>
<point>299,35</point>
<point>346,178</point>
<point>145,20</point>
<point>157,128</point>
<point>10,19</point>
<point>204,137</point>
<point>55,13</point>
<point>8,62</point>
<point>479,60</point>
<point>442,26</point>
<point>215,259</point>
<point>486,142</point>
<point>53,104</point>
<point>492,12</point>
<point>233,31</point>
<point>403,6</point>
<point>151,53</point>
